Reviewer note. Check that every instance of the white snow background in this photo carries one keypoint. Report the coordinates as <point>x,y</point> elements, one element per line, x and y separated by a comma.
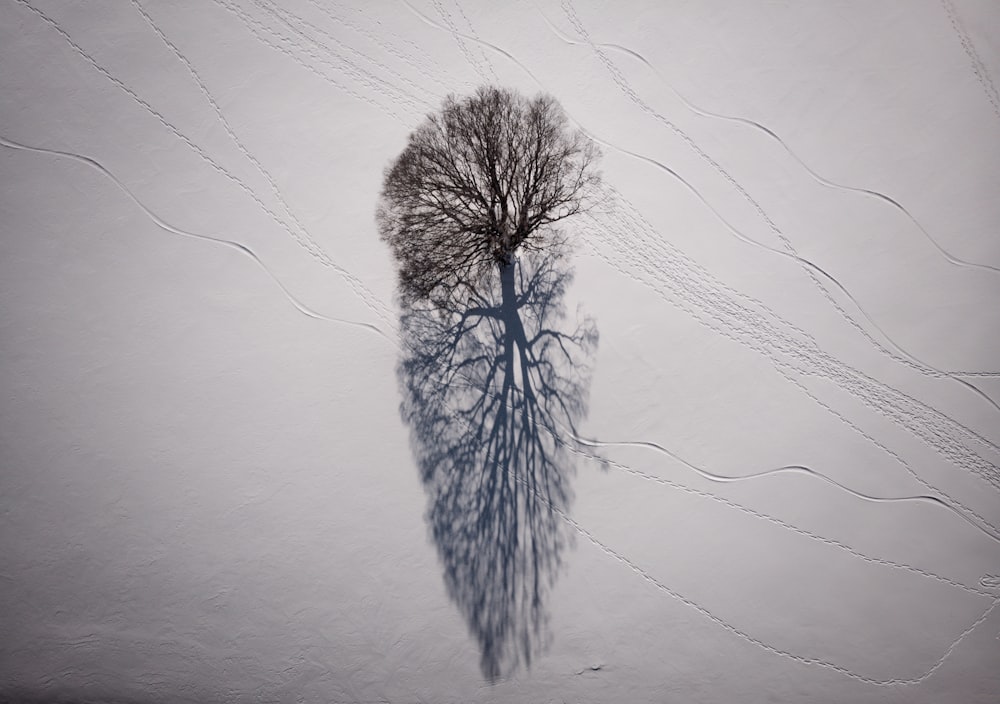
<point>206,489</point>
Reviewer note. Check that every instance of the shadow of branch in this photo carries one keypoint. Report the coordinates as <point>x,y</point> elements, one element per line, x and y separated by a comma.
<point>492,392</point>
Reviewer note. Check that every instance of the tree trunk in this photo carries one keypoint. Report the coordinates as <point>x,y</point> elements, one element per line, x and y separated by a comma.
<point>514,334</point>
<point>507,280</point>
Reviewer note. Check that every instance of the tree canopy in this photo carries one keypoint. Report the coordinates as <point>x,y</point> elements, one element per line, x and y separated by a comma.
<point>488,175</point>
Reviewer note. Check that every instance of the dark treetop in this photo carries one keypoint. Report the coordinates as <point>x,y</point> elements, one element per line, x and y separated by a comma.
<point>487,176</point>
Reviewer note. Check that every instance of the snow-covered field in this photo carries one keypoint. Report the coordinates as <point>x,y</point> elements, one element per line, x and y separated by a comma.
<point>786,481</point>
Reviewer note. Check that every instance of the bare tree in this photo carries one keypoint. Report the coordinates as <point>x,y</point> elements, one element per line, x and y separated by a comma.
<point>491,382</point>
<point>489,175</point>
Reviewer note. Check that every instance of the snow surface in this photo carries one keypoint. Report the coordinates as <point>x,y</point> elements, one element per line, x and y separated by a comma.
<point>208,492</point>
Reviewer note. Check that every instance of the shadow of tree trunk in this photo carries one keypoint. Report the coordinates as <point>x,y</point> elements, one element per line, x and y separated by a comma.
<point>492,393</point>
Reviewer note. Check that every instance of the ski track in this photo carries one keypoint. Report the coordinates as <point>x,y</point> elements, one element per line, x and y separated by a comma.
<point>985,583</point>
<point>576,445</point>
<point>291,45</point>
<point>798,469</point>
<point>164,225</point>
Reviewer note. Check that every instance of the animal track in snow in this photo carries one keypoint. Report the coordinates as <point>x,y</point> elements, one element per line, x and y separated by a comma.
<point>978,67</point>
<point>809,267</point>
<point>315,253</point>
<point>753,124</point>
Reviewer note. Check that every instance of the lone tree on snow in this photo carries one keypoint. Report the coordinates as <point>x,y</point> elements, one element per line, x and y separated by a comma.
<point>490,175</point>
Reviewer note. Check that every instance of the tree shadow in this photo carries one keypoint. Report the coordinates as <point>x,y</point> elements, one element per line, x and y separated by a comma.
<point>492,391</point>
